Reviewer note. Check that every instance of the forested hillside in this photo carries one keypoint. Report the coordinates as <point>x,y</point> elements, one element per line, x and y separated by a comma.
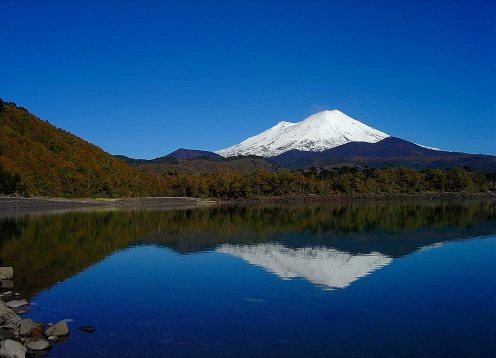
<point>38,159</point>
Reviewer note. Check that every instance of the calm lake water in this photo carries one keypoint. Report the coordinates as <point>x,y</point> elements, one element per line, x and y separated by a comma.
<point>370,280</point>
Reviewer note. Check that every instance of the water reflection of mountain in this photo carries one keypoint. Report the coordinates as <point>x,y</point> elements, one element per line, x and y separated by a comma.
<point>48,248</point>
<point>322,266</point>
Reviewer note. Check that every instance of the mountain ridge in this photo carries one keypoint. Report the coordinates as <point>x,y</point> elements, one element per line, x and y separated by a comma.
<point>391,151</point>
<point>331,138</point>
<point>183,153</point>
<point>319,131</point>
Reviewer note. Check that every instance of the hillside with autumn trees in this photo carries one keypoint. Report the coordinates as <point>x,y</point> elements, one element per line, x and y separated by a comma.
<point>38,159</point>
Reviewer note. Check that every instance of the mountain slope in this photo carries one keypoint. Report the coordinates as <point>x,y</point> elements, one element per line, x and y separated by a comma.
<point>320,131</point>
<point>390,151</point>
<point>193,154</point>
<point>196,162</point>
<point>53,162</point>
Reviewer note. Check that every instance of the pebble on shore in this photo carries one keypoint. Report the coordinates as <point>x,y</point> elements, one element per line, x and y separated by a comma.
<point>20,336</point>
<point>16,303</point>
<point>59,329</point>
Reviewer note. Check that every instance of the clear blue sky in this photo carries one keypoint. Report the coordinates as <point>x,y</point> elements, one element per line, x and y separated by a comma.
<point>143,78</point>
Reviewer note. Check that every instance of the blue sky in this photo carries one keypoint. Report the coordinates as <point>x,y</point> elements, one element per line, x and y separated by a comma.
<point>143,78</point>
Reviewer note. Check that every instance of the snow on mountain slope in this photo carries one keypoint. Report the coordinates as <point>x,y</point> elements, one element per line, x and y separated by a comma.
<point>320,131</point>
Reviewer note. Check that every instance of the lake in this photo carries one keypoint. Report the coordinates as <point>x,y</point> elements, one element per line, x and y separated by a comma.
<point>363,280</point>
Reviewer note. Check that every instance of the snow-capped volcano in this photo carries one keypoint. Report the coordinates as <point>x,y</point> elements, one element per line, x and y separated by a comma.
<point>321,131</point>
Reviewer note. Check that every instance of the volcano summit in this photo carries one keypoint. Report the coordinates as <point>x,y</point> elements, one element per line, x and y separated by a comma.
<point>318,132</point>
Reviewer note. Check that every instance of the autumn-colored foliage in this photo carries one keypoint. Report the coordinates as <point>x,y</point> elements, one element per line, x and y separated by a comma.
<point>53,162</point>
<point>350,181</point>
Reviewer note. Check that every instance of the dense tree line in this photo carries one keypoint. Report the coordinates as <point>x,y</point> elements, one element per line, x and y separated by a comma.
<point>344,180</point>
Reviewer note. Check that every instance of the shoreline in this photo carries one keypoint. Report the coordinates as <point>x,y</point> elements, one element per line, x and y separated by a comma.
<point>367,198</point>
<point>22,205</point>
<point>14,206</point>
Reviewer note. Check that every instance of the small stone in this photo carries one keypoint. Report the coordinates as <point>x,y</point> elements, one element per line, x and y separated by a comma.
<point>17,294</point>
<point>52,338</point>
<point>25,327</point>
<point>37,344</point>
<point>36,332</point>
<point>16,303</point>
<point>22,311</point>
<point>5,294</point>
<point>87,329</point>
<point>9,319</point>
<point>12,349</point>
<point>6,272</point>
<point>59,329</point>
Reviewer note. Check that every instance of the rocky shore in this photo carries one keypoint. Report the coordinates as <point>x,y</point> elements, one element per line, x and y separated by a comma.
<point>19,336</point>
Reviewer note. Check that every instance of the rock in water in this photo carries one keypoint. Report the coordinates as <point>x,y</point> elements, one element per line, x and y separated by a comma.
<point>36,332</point>
<point>12,349</point>
<point>59,329</point>
<point>87,329</point>
<point>37,344</point>
<point>6,272</point>
<point>25,327</point>
<point>16,303</point>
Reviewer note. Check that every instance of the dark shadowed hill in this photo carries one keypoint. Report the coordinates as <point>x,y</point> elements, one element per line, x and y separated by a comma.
<point>387,152</point>
<point>199,165</point>
<point>53,162</point>
<point>182,154</point>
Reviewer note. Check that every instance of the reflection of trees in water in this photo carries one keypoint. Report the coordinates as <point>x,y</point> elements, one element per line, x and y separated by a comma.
<point>48,248</point>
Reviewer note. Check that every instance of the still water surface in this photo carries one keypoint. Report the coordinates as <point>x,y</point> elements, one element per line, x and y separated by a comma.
<point>368,280</point>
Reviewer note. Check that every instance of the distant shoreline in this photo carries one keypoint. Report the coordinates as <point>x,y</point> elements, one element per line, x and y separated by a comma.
<point>21,206</point>
<point>369,197</point>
